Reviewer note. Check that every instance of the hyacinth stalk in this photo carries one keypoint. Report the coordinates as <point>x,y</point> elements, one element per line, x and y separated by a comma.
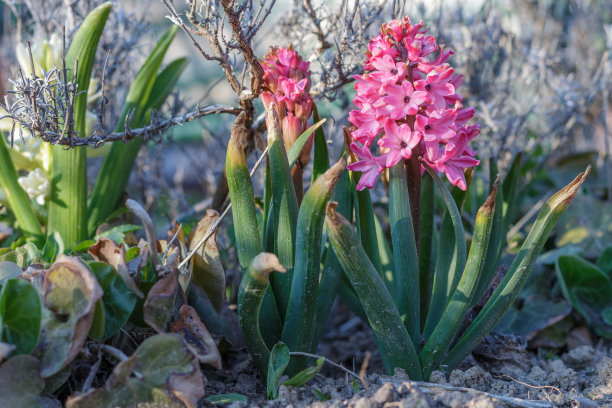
<point>68,204</point>
<point>408,105</point>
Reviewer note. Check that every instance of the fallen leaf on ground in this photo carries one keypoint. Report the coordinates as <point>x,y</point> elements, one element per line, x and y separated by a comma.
<point>191,328</point>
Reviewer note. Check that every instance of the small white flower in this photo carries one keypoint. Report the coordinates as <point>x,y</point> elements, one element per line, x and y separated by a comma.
<point>36,184</point>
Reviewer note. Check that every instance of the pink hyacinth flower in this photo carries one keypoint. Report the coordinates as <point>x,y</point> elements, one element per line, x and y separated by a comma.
<point>369,166</point>
<point>402,100</point>
<point>454,167</point>
<point>367,125</point>
<point>437,87</point>
<point>388,71</point>
<point>400,140</point>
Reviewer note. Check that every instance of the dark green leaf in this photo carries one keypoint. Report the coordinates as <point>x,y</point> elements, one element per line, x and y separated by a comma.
<point>118,300</point>
<point>588,288</point>
<point>20,315</point>
<point>605,261</point>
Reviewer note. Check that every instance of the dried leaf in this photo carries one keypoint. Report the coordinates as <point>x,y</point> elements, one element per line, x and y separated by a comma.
<point>145,377</point>
<point>107,251</point>
<point>160,304</point>
<point>207,269</point>
<point>70,293</point>
<point>191,328</point>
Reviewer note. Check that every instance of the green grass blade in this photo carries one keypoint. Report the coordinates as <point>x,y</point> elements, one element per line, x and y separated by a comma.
<point>364,215</point>
<point>250,297</point>
<point>284,209</point>
<point>114,174</point>
<point>389,331</point>
<point>451,256</point>
<point>165,83</point>
<point>507,292</point>
<point>405,257</point>
<point>452,318</point>
<point>299,328</point>
<point>426,247</point>
<point>320,162</point>
<point>300,142</point>
<point>495,241</point>
<point>18,199</point>
<point>68,204</point>
<point>510,191</point>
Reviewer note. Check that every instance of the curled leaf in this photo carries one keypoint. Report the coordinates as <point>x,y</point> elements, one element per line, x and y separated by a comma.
<point>70,293</point>
<point>159,307</point>
<point>207,269</point>
<point>162,369</point>
<point>107,251</point>
<point>191,328</point>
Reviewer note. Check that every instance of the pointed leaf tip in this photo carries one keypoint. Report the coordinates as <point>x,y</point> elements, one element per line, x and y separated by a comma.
<point>489,204</point>
<point>266,263</point>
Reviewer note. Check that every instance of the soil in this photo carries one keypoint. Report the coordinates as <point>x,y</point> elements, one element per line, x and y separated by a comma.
<point>500,373</point>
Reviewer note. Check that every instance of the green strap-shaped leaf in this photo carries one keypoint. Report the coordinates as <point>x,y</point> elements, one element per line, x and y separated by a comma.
<point>114,174</point>
<point>509,288</point>
<point>451,255</point>
<point>426,247</point>
<point>332,270</point>
<point>250,298</point>
<point>510,192</point>
<point>68,204</point>
<point>299,328</point>
<point>300,142</point>
<point>405,257</point>
<point>18,200</point>
<point>496,239</point>
<point>284,209</point>
<point>451,320</point>
<point>364,215</point>
<point>393,341</point>
<point>320,162</point>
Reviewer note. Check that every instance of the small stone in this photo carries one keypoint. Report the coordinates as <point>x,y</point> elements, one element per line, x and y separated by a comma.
<point>474,377</point>
<point>386,393</point>
<point>579,357</point>
<point>536,376</point>
<point>453,399</point>
<point>480,401</point>
<point>560,376</point>
<point>438,377</point>
<point>364,402</point>
<point>582,402</point>
<point>413,401</point>
<point>604,372</point>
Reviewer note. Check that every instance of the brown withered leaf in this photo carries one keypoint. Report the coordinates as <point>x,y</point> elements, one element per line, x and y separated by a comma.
<point>191,328</point>
<point>207,269</point>
<point>107,251</point>
<point>162,301</point>
<point>70,292</point>
<point>173,380</point>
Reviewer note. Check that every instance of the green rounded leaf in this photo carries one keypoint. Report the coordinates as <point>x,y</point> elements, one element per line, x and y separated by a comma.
<point>118,300</point>
<point>20,314</point>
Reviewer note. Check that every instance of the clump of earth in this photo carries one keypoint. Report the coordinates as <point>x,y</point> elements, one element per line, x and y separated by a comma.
<point>500,373</point>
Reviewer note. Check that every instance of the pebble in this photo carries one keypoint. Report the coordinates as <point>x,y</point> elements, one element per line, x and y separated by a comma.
<point>364,402</point>
<point>386,393</point>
